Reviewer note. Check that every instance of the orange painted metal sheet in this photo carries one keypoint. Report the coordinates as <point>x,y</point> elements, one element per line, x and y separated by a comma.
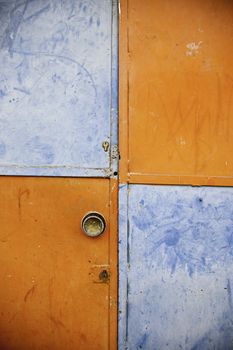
<point>176,91</point>
<point>52,294</point>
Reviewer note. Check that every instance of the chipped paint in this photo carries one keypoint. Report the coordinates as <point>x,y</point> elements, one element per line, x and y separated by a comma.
<point>193,48</point>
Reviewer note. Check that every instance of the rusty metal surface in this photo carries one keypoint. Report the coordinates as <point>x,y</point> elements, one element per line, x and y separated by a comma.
<point>56,290</point>
<point>176,91</point>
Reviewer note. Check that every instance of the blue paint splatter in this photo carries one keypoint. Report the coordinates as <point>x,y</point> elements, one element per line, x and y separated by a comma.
<point>187,234</point>
<point>229,236</point>
<point>172,261</point>
<point>43,150</point>
<point>36,14</point>
<point>141,222</point>
<point>2,93</point>
<point>229,293</point>
<point>142,342</point>
<point>24,91</point>
<point>2,149</point>
<point>172,237</point>
<point>198,202</point>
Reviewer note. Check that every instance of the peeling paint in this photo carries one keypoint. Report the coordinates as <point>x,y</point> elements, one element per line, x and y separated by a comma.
<point>193,48</point>
<point>119,8</point>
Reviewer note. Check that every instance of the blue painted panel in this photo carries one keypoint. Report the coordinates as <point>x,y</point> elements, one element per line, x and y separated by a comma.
<point>123,266</point>
<point>57,98</point>
<point>179,267</point>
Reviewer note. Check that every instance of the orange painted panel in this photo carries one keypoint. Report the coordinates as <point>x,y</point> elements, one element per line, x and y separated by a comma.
<point>52,296</point>
<point>179,105</point>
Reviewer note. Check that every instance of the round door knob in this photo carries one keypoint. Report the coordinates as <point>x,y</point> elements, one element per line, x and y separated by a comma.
<point>93,224</point>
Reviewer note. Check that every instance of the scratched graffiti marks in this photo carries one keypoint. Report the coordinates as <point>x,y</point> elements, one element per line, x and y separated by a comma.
<point>180,87</point>
<point>186,132</point>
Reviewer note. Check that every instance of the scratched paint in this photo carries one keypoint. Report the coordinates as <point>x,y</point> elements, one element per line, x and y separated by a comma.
<point>57,98</point>
<point>176,259</point>
<point>177,91</point>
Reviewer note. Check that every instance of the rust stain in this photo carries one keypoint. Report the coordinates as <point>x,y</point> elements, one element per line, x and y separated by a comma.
<point>29,293</point>
<point>21,194</point>
<point>57,322</point>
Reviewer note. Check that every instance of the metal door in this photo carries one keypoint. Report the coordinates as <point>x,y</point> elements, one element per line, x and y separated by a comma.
<point>176,260</point>
<point>55,280</point>
<point>58,133</point>
<point>57,61</point>
<point>175,242</point>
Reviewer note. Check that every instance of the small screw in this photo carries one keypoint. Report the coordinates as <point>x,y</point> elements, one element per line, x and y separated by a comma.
<point>105,146</point>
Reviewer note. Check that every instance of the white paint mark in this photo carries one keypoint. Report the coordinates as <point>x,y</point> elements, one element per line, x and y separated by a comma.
<point>119,8</point>
<point>193,48</point>
<point>182,141</point>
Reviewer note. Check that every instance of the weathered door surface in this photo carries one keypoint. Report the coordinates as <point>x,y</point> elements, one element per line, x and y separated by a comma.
<point>177,65</point>
<point>55,86</point>
<point>58,117</point>
<point>176,115</point>
<point>178,286</point>
<point>53,295</point>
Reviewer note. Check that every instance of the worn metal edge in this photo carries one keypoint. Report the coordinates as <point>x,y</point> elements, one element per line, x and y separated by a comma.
<point>123,267</point>
<point>114,154</point>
